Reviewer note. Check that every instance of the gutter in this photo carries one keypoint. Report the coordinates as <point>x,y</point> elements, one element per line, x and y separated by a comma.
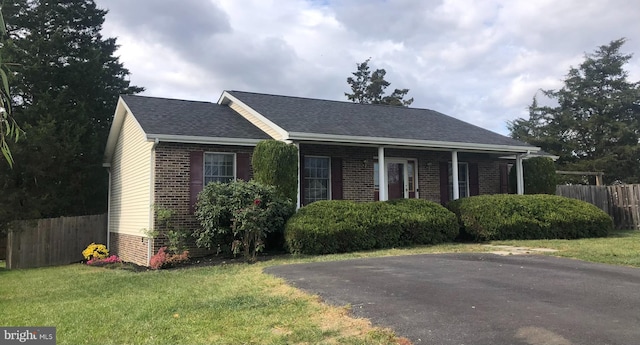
<point>347,139</point>
<point>189,139</point>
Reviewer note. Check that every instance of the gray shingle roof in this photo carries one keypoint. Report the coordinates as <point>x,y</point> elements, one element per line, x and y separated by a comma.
<point>190,118</point>
<point>295,114</point>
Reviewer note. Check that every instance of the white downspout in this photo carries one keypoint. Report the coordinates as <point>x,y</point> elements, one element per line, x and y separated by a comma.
<point>299,192</point>
<point>152,169</point>
<point>109,210</point>
<point>382,175</point>
<point>454,175</point>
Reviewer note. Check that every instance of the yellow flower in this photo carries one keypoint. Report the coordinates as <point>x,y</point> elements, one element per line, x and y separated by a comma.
<point>95,251</point>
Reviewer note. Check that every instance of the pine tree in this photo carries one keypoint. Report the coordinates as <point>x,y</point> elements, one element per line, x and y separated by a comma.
<point>595,125</point>
<point>64,89</point>
<point>369,88</point>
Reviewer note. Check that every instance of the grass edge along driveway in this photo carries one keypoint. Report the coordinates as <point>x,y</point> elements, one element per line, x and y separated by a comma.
<point>231,304</point>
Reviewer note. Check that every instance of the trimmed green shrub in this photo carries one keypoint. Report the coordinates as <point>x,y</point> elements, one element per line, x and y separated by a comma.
<point>539,176</point>
<point>276,163</point>
<point>541,216</point>
<point>339,226</point>
<point>425,222</point>
<point>239,216</point>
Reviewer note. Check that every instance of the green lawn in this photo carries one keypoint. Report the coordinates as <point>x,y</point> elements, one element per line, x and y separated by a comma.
<point>233,304</point>
<point>229,304</point>
<point>622,247</point>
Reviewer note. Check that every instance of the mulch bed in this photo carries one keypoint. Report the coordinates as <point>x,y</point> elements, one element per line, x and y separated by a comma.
<point>212,260</point>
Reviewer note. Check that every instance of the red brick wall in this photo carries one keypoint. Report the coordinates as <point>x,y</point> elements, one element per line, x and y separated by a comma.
<point>172,185</point>
<point>172,176</point>
<point>129,248</point>
<point>489,177</point>
<point>357,167</point>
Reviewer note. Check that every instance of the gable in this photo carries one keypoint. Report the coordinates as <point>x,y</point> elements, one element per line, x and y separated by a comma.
<point>173,120</point>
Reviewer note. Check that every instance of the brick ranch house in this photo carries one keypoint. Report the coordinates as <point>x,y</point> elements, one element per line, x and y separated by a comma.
<point>163,151</point>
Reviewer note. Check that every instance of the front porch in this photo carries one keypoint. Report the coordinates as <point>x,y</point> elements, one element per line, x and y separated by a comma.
<point>338,172</point>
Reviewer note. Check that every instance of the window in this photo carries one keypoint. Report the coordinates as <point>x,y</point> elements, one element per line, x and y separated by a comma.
<point>316,179</point>
<point>463,180</point>
<point>218,167</point>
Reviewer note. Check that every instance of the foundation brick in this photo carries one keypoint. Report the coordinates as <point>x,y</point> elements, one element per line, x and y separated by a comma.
<point>129,248</point>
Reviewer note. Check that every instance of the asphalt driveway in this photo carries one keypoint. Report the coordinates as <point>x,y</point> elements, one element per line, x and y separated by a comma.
<point>482,298</point>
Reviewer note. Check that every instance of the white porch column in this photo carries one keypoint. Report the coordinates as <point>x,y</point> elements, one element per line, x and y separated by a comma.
<point>454,175</point>
<point>519,175</point>
<point>298,196</point>
<point>383,188</point>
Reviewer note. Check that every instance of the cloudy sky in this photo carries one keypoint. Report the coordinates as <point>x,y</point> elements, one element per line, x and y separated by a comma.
<point>479,61</point>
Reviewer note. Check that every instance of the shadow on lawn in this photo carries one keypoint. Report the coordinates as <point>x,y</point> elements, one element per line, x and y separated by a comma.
<point>622,233</point>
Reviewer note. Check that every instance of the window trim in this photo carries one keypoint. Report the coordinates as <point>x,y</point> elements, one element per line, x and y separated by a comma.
<point>329,189</point>
<point>204,164</point>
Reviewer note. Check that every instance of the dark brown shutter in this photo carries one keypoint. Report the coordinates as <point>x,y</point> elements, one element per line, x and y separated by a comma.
<point>196,178</point>
<point>243,166</point>
<point>301,182</point>
<point>474,181</point>
<point>336,178</point>
<point>504,178</point>
<point>444,183</point>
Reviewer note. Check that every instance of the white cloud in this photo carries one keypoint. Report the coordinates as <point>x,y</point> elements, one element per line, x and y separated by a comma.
<point>479,61</point>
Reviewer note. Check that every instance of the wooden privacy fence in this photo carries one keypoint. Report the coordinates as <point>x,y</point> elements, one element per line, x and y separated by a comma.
<point>53,241</point>
<point>621,202</point>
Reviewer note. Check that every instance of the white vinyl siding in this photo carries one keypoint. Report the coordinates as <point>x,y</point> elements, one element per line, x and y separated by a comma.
<point>255,121</point>
<point>130,180</point>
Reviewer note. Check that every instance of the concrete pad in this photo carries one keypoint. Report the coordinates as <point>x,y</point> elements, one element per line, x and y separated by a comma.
<point>513,250</point>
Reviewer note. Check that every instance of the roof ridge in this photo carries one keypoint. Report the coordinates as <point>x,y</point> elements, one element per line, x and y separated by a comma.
<point>435,112</point>
<point>168,99</point>
<point>335,101</point>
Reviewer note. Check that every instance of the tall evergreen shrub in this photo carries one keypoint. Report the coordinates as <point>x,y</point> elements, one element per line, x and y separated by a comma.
<point>276,163</point>
<point>539,176</point>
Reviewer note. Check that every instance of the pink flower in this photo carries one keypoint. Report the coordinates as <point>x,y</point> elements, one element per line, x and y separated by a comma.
<point>110,260</point>
<point>256,202</point>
